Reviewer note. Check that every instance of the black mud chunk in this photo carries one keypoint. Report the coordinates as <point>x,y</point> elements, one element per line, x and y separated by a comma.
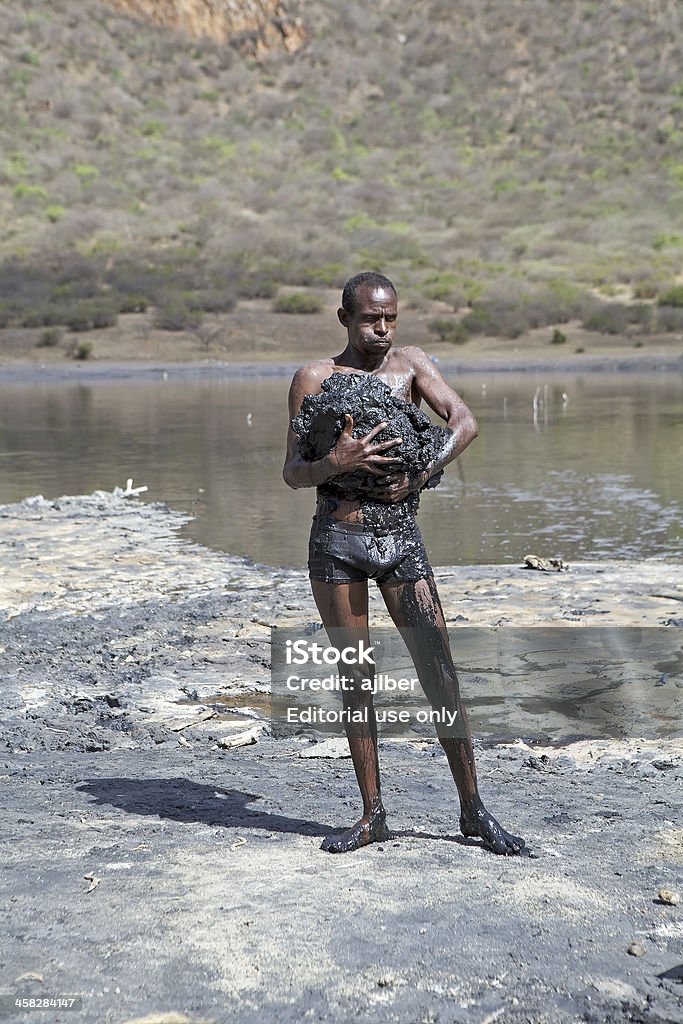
<point>370,402</point>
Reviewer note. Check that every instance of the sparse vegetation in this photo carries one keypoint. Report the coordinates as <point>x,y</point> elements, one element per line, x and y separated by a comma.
<point>670,319</point>
<point>50,338</point>
<point>175,314</point>
<point>80,350</point>
<point>91,315</point>
<point>54,212</point>
<point>448,330</point>
<point>672,296</point>
<point>606,318</point>
<point>180,175</point>
<point>133,304</point>
<point>647,289</point>
<point>297,302</point>
<point>558,337</point>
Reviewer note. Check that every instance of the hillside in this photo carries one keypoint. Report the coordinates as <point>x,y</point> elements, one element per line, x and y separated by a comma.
<point>488,154</point>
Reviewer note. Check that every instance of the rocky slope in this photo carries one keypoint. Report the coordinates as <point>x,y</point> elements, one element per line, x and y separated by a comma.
<point>257,25</point>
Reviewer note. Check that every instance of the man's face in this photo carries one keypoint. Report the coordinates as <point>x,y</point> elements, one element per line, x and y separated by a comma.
<point>372,325</point>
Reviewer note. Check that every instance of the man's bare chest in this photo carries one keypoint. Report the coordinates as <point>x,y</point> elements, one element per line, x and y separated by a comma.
<point>400,381</point>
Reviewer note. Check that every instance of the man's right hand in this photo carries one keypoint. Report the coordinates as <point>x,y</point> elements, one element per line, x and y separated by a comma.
<point>353,453</point>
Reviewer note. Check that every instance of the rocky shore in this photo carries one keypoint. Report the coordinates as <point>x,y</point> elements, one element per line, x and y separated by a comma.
<point>162,848</point>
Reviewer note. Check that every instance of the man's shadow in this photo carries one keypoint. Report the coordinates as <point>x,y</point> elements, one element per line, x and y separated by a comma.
<point>181,799</point>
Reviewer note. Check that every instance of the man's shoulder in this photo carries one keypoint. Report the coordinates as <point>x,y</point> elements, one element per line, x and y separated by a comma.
<point>411,356</point>
<point>411,352</point>
<point>312,374</point>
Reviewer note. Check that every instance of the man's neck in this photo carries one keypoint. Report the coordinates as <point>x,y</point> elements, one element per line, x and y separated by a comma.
<point>357,361</point>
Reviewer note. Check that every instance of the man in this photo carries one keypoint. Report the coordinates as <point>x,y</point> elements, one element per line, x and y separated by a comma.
<point>347,547</point>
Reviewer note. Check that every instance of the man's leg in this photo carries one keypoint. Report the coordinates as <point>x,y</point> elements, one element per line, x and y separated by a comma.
<point>343,609</point>
<point>416,609</point>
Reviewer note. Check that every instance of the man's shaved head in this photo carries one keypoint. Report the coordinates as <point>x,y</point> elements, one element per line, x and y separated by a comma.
<point>369,279</point>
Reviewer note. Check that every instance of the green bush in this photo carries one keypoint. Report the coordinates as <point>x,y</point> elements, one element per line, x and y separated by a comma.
<point>558,338</point>
<point>54,212</point>
<point>91,315</point>
<point>448,330</point>
<point>672,296</point>
<point>48,315</point>
<point>641,314</point>
<point>670,319</point>
<point>50,338</point>
<point>646,289</point>
<point>175,314</point>
<point>133,304</point>
<point>82,350</point>
<point>297,302</point>
<point>24,191</point>
<point>445,287</point>
<point>497,319</point>
<point>606,318</point>
<point>479,321</point>
<point>257,286</point>
<point>213,300</point>
<point>86,172</point>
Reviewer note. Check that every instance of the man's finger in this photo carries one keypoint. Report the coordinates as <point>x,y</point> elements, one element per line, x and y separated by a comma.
<point>383,446</point>
<point>375,431</point>
<point>381,466</point>
<point>385,460</point>
<point>348,423</point>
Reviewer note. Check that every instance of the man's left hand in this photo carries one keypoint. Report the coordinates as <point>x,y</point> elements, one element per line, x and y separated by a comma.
<point>396,486</point>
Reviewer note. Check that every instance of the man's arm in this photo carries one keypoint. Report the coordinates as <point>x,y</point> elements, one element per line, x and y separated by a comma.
<point>298,472</point>
<point>440,397</point>
<point>349,454</point>
<point>460,421</point>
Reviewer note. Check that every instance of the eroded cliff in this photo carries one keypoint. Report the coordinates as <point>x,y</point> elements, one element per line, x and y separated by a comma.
<point>253,25</point>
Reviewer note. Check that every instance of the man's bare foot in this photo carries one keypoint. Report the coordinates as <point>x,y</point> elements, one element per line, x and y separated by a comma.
<point>372,828</point>
<point>480,823</point>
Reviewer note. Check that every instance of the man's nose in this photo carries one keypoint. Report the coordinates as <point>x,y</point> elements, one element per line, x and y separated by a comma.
<point>381,326</point>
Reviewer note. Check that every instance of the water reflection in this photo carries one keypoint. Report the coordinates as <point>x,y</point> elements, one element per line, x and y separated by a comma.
<point>577,467</point>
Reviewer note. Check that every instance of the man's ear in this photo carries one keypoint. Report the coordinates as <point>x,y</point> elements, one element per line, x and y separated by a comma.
<point>344,316</point>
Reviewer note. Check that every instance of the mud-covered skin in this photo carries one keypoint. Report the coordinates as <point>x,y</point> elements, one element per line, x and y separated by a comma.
<point>482,825</point>
<point>418,604</point>
<point>371,828</point>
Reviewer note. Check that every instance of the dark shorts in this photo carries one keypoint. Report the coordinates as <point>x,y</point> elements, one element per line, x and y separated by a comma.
<point>351,552</point>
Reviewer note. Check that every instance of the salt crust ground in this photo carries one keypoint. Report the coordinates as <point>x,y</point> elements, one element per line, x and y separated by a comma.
<point>209,898</point>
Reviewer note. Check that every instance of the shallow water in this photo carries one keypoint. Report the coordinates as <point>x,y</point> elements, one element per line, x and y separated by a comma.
<point>592,472</point>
